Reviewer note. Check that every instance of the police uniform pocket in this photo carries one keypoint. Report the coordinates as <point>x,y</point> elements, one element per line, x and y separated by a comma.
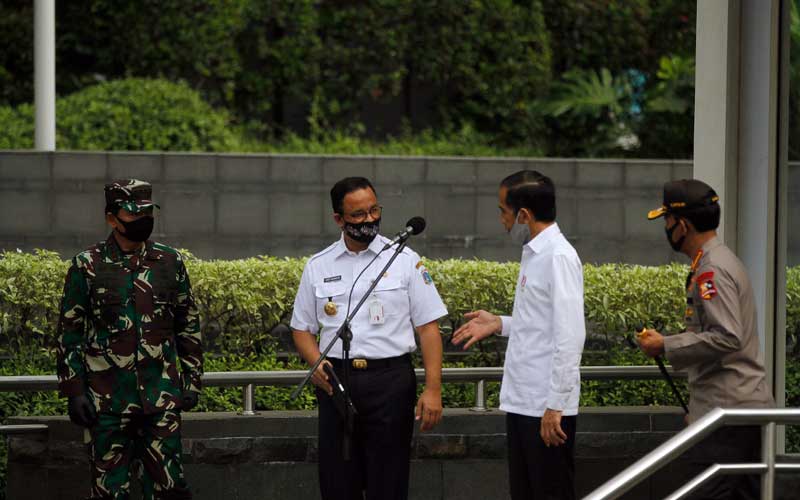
<point>331,300</point>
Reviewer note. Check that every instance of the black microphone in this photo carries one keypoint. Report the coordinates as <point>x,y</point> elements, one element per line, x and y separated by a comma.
<point>415,225</point>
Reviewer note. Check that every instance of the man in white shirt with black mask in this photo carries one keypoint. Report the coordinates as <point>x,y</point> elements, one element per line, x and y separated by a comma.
<point>541,377</point>
<point>382,383</point>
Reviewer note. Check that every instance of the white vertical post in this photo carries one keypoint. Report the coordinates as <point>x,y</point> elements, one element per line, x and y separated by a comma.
<point>740,147</point>
<point>44,57</point>
<point>716,107</point>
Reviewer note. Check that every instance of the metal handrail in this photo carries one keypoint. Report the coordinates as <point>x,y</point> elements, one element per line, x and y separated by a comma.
<point>290,377</point>
<point>693,434</point>
<point>249,380</point>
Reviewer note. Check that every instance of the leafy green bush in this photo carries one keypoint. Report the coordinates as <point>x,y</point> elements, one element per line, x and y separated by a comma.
<point>133,114</point>
<point>237,321</point>
<point>16,127</point>
<point>141,114</point>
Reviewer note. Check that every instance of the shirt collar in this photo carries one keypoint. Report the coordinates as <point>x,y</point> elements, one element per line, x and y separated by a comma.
<point>541,240</point>
<point>375,246</point>
<point>711,244</point>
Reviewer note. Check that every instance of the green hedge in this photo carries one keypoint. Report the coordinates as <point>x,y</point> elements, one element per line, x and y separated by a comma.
<point>237,320</point>
<point>133,114</point>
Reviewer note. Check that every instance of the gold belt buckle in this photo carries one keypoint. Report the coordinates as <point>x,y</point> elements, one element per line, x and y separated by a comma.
<point>360,364</point>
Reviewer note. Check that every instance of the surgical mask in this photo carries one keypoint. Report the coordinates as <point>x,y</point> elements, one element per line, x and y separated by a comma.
<point>676,245</point>
<point>364,232</point>
<point>520,233</point>
<point>137,230</point>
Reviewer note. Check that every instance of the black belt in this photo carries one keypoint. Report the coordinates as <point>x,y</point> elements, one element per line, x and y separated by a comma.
<point>364,364</point>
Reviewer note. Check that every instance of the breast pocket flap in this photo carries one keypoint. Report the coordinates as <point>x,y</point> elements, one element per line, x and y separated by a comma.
<point>388,284</point>
<point>329,290</point>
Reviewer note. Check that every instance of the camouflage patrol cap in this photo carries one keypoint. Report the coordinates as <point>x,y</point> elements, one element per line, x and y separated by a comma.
<point>131,194</point>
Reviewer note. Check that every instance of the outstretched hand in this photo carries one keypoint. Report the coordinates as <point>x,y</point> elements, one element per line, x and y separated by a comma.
<point>481,324</point>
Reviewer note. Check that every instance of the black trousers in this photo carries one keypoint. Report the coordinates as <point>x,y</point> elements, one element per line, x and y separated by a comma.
<point>379,466</point>
<point>535,471</point>
<point>728,445</point>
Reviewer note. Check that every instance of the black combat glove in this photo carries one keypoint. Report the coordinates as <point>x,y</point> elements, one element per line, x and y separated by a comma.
<point>189,400</point>
<point>81,411</point>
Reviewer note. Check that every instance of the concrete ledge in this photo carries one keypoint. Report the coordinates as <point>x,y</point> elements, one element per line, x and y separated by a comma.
<point>274,454</point>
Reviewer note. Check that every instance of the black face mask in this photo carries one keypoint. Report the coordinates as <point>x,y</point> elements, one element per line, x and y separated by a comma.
<point>137,230</point>
<point>364,232</point>
<point>676,245</point>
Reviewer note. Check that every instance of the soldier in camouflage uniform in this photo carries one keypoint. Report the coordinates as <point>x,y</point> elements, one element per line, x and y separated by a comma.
<point>128,317</point>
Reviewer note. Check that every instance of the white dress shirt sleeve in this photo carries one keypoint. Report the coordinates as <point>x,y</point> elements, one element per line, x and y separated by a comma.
<point>304,314</point>
<point>569,330</point>
<point>425,304</point>
<point>505,330</point>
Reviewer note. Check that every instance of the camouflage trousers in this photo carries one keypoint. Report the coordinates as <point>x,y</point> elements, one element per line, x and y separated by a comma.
<point>154,441</point>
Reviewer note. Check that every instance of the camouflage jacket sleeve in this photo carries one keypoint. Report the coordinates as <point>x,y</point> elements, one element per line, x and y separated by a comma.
<point>187,333</point>
<point>70,364</point>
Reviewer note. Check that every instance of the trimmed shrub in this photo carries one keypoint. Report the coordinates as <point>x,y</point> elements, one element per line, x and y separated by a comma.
<point>144,115</point>
<point>237,322</point>
<point>127,115</point>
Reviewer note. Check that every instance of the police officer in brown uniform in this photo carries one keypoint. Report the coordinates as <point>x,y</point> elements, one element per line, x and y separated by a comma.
<point>720,347</point>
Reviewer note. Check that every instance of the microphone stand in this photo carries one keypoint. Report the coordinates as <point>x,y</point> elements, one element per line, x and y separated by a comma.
<point>346,334</point>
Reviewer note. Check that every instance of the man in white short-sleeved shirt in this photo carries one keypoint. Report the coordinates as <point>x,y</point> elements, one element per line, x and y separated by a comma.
<point>546,331</point>
<point>381,375</point>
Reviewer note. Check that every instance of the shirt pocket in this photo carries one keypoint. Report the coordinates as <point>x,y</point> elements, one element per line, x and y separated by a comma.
<point>160,327</point>
<point>393,296</point>
<point>330,293</point>
<point>108,312</point>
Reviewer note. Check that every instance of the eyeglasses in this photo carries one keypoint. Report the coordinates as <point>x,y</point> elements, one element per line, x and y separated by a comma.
<point>361,215</point>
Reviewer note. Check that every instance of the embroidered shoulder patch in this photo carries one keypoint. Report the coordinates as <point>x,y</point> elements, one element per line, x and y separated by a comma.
<point>706,286</point>
<point>426,277</point>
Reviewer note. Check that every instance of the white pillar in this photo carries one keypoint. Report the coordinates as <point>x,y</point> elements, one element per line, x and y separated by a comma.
<point>44,56</point>
<point>740,148</point>
<point>716,110</point>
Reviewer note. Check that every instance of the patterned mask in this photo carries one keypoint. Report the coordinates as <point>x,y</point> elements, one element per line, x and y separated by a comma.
<point>364,232</point>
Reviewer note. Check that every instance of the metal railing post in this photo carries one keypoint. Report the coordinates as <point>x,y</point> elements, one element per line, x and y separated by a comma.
<point>249,398</point>
<point>768,458</point>
<point>480,396</point>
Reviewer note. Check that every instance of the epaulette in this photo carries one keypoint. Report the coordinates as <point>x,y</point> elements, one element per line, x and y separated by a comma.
<point>161,247</point>
<point>92,253</point>
<point>323,252</point>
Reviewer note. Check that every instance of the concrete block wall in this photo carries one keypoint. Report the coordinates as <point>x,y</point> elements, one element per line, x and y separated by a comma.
<point>274,455</point>
<point>230,206</point>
